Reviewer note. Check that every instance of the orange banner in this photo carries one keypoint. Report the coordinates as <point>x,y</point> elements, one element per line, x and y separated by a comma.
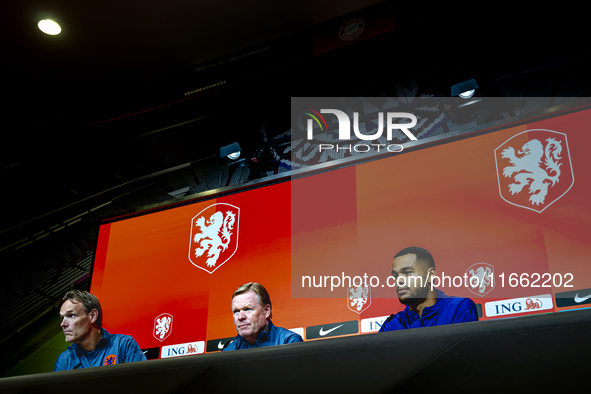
<point>510,205</point>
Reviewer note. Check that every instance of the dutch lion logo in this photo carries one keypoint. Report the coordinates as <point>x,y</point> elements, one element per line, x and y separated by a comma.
<point>483,274</point>
<point>358,298</point>
<point>214,236</point>
<point>537,167</point>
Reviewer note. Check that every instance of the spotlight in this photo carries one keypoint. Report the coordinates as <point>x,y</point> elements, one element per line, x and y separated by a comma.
<point>465,89</point>
<point>467,94</point>
<point>50,27</point>
<point>231,151</point>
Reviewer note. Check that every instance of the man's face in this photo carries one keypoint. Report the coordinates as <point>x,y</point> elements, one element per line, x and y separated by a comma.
<point>76,323</point>
<point>411,279</point>
<point>250,318</point>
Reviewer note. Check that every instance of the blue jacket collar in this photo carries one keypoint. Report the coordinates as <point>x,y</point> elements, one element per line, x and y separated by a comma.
<point>429,310</point>
<point>263,336</point>
<point>104,341</point>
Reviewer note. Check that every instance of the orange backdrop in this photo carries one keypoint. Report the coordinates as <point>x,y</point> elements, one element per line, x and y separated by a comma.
<point>449,199</point>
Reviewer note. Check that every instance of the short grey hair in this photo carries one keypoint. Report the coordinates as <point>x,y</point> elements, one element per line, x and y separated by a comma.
<point>88,301</point>
<point>259,290</point>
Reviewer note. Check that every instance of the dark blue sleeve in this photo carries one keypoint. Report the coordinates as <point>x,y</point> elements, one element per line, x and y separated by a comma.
<point>132,350</point>
<point>466,312</point>
<point>62,363</point>
<point>294,338</point>
<point>391,324</point>
<point>230,346</point>
<point>66,361</point>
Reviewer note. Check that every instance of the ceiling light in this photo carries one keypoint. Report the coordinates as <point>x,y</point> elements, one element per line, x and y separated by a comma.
<point>467,94</point>
<point>49,27</point>
<point>231,151</point>
<point>465,89</point>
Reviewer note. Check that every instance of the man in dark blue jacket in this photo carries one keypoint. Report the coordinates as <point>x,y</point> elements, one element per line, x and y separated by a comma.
<point>413,268</point>
<point>93,346</point>
<point>252,313</point>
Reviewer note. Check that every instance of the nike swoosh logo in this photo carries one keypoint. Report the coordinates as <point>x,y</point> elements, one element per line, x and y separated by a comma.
<point>323,333</point>
<point>220,345</point>
<point>145,351</point>
<point>581,299</point>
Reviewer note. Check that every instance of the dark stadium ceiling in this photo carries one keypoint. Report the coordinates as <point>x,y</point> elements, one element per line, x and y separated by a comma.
<point>109,52</point>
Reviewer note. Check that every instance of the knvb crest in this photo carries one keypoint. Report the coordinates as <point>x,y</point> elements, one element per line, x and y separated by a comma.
<point>163,326</point>
<point>481,279</point>
<point>359,298</point>
<point>111,359</point>
<point>214,236</point>
<point>534,169</point>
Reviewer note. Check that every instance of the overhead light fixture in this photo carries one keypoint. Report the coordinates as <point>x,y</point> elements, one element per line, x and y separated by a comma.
<point>465,89</point>
<point>231,151</point>
<point>50,27</point>
<point>467,94</point>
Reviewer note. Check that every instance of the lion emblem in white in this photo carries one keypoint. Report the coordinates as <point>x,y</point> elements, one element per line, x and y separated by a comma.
<point>484,277</point>
<point>162,326</point>
<point>214,237</point>
<point>529,168</point>
<point>358,297</point>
